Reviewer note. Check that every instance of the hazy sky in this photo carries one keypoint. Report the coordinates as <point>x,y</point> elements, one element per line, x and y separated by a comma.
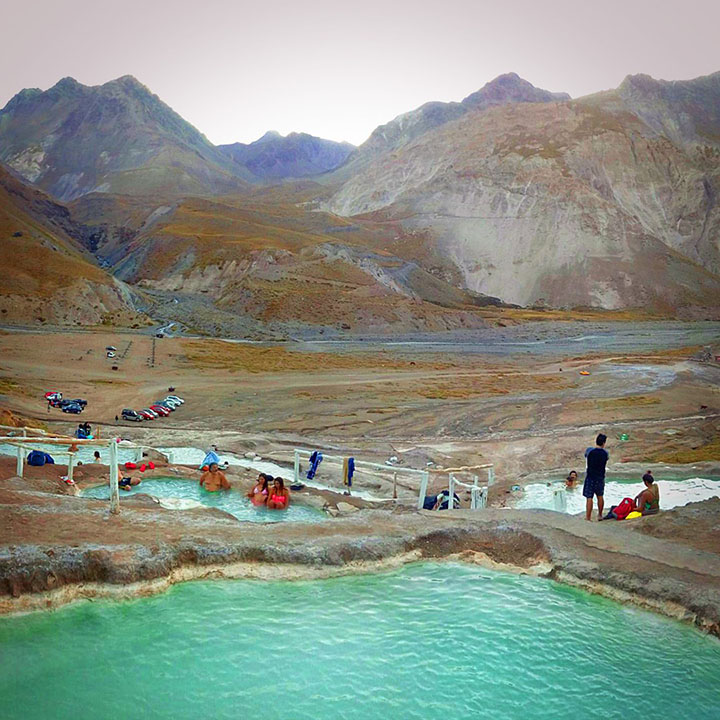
<point>338,69</point>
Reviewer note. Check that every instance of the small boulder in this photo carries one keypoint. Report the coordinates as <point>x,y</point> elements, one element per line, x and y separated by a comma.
<point>344,508</point>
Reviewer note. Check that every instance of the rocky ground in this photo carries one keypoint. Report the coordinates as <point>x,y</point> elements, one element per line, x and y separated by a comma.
<point>56,548</point>
<point>529,412</point>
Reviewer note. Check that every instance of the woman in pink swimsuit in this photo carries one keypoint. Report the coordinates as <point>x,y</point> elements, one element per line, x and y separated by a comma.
<point>259,493</point>
<point>279,497</point>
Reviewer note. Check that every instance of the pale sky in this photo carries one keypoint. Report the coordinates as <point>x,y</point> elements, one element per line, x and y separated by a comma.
<point>336,69</point>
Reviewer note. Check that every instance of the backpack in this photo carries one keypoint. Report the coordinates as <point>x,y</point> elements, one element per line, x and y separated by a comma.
<point>625,507</point>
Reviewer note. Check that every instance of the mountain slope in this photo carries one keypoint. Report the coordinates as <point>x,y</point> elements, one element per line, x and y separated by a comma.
<point>47,274</point>
<point>117,137</point>
<point>298,155</point>
<point>590,202</point>
<point>503,90</point>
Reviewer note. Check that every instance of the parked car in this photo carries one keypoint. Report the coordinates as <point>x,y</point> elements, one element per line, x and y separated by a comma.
<point>62,404</point>
<point>172,403</point>
<point>73,408</point>
<point>53,395</point>
<point>175,398</point>
<point>146,414</point>
<point>151,412</point>
<point>79,401</point>
<point>162,411</point>
<point>128,414</point>
<point>110,354</point>
<point>166,405</point>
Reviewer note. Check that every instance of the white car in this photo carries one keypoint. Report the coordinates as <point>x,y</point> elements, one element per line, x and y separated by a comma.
<point>110,354</point>
<point>175,398</point>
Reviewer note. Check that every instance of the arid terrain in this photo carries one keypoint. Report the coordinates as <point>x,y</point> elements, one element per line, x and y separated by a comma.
<point>517,400</point>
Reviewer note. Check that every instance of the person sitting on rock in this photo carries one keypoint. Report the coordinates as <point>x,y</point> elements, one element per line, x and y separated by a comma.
<point>648,501</point>
<point>279,497</point>
<point>213,479</point>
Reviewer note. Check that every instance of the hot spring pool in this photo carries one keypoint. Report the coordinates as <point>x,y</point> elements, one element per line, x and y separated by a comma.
<point>672,493</point>
<point>179,494</point>
<point>428,642</point>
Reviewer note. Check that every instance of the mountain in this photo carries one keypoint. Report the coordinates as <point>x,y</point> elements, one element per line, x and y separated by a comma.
<point>503,90</point>
<point>118,137</point>
<point>269,263</point>
<point>48,275</point>
<point>608,201</point>
<point>298,155</point>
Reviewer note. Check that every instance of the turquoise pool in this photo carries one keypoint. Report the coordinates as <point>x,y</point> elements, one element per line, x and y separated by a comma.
<point>181,494</point>
<point>673,493</point>
<point>431,641</point>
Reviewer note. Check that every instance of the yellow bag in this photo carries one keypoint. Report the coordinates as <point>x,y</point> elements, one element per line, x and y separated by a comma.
<point>633,514</point>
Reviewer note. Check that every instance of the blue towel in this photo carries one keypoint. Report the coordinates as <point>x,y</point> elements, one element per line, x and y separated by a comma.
<point>211,457</point>
<point>49,459</point>
<point>351,471</point>
<point>315,460</point>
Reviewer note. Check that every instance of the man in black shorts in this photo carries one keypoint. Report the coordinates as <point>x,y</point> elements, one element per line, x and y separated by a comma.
<point>597,458</point>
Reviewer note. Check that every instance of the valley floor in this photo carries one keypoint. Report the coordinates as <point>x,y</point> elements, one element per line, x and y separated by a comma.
<point>514,397</point>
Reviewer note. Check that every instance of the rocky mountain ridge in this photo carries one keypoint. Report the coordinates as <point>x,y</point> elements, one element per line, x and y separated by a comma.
<point>516,195</point>
<point>608,200</point>
<point>297,155</point>
<point>118,137</point>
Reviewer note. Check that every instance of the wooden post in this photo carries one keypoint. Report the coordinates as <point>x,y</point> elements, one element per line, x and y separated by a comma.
<point>491,476</point>
<point>20,461</point>
<point>423,489</point>
<point>296,467</point>
<point>138,455</point>
<point>451,491</point>
<point>71,463</point>
<point>113,479</point>
<point>395,486</point>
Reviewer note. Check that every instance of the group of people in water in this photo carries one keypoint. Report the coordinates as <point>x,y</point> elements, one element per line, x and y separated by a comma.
<point>268,491</point>
<point>647,502</point>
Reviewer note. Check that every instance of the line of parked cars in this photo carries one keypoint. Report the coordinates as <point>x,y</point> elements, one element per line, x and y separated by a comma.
<point>74,406</point>
<point>162,408</point>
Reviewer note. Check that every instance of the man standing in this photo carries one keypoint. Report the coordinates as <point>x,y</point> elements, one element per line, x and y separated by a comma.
<point>597,458</point>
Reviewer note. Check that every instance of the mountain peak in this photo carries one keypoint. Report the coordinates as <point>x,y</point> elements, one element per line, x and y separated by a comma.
<point>510,88</point>
<point>269,135</point>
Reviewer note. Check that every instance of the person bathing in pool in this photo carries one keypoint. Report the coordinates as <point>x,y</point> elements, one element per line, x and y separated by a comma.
<point>648,501</point>
<point>214,479</point>
<point>571,480</point>
<point>125,483</point>
<point>259,492</point>
<point>279,497</point>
